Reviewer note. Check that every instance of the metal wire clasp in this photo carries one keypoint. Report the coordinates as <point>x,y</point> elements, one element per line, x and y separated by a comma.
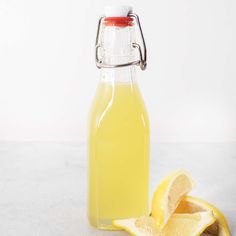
<point>142,62</point>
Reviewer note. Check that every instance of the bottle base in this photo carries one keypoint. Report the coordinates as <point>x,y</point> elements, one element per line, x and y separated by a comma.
<point>102,224</point>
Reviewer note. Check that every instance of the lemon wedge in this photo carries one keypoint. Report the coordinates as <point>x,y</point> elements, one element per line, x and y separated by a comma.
<point>176,214</point>
<point>188,224</point>
<point>168,195</point>
<point>194,204</point>
<point>142,226</point>
<point>178,224</point>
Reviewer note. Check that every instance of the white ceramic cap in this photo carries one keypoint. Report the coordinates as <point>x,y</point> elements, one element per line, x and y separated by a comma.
<point>118,11</point>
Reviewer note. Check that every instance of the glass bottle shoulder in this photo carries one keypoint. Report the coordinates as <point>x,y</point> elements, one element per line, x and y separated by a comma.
<point>120,102</point>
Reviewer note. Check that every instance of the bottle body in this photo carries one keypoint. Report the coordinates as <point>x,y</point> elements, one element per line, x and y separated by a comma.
<point>118,149</point>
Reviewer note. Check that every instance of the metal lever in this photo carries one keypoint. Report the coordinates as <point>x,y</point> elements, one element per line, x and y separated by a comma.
<point>142,62</point>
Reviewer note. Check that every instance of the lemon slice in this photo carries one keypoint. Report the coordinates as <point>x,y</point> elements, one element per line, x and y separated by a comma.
<point>168,195</point>
<point>193,205</point>
<point>142,226</point>
<point>188,224</point>
<point>178,224</point>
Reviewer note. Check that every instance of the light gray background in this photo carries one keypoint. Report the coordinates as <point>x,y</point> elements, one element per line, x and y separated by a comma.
<point>43,185</point>
<point>48,76</point>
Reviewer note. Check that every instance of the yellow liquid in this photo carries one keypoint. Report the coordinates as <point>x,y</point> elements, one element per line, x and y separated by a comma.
<point>118,155</point>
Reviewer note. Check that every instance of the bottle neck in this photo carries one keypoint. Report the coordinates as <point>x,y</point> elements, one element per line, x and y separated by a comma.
<point>117,49</point>
<point>120,75</point>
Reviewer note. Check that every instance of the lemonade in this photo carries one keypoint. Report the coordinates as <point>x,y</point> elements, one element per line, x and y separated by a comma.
<point>118,154</point>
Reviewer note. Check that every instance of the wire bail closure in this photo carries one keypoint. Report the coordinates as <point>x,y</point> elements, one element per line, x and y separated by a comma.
<point>142,62</point>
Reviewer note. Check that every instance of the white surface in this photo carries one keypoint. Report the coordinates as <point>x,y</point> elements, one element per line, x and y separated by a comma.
<point>117,10</point>
<point>43,185</point>
<point>48,75</point>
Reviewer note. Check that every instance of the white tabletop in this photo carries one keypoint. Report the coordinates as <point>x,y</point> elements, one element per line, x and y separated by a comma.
<point>43,185</point>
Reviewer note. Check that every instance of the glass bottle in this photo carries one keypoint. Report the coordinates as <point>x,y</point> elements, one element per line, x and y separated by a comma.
<point>118,141</point>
